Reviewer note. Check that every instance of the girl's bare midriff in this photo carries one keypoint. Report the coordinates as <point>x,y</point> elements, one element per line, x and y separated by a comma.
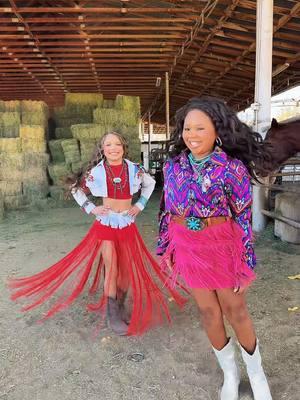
<point>117,205</point>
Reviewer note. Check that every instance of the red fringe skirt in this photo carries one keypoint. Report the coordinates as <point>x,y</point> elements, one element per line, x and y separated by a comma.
<point>210,259</point>
<point>137,272</point>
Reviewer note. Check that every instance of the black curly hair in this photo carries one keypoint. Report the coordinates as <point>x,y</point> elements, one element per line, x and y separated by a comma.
<point>238,139</point>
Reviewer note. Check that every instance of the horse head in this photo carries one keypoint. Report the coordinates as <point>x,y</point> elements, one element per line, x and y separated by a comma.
<point>283,140</point>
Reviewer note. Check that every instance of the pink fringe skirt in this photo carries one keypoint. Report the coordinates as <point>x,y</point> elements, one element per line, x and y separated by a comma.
<point>137,273</point>
<point>211,259</point>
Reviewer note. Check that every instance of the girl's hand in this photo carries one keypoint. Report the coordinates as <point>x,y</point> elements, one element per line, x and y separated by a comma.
<point>134,211</point>
<point>240,289</point>
<point>101,210</point>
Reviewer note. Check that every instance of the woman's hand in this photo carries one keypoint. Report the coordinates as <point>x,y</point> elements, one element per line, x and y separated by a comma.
<point>101,210</point>
<point>133,211</point>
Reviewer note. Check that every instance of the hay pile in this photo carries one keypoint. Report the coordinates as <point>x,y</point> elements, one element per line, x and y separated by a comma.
<point>1,207</point>
<point>78,109</point>
<point>80,124</point>
<point>23,153</point>
<point>34,113</point>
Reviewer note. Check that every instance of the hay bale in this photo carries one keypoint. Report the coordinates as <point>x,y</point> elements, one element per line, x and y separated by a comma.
<point>56,151</point>
<point>89,131</point>
<point>10,145</point>
<point>35,118</point>
<point>35,190</point>
<point>72,114</point>
<point>10,123</point>
<point>12,105</point>
<point>37,175</point>
<point>78,110</point>
<point>1,207</point>
<point>63,133</point>
<point>128,131</point>
<point>36,160</point>
<point>58,172</point>
<point>108,103</point>
<point>134,151</point>
<point>91,99</point>
<point>33,146</point>
<point>2,106</point>
<point>14,202</point>
<point>71,150</point>
<point>34,106</point>
<point>112,118</point>
<point>13,161</point>
<point>87,149</point>
<point>8,188</point>
<point>10,174</point>
<point>57,193</point>
<point>77,166</point>
<point>68,121</point>
<point>32,132</point>
<point>129,103</point>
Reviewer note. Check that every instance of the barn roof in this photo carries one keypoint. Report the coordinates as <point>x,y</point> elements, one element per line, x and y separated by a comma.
<point>208,47</point>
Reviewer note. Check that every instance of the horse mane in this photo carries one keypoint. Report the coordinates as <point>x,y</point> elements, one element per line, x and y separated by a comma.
<point>295,118</point>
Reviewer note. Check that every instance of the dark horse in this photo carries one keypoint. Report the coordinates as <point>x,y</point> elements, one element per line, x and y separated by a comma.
<point>284,138</point>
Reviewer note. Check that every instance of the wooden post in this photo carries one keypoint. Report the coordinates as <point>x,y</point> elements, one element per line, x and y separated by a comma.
<point>167,107</point>
<point>149,138</point>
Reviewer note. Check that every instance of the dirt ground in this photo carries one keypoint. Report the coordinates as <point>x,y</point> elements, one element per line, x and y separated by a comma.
<point>60,360</point>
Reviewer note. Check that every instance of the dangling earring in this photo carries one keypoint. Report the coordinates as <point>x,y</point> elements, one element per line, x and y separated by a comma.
<point>219,141</point>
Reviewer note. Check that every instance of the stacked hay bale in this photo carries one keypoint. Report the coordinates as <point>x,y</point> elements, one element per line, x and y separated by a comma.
<point>83,120</point>
<point>1,207</point>
<point>123,118</point>
<point>36,159</point>
<point>23,153</point>
<point>78,109</point>
<point>10,118</point>
<point>34,113</point>
<point>11,173</point>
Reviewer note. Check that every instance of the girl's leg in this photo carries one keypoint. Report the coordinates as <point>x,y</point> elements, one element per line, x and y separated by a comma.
<point>114,316</point>
<point>235,309</point>
<point>211,316</point>
<point>109,255</point>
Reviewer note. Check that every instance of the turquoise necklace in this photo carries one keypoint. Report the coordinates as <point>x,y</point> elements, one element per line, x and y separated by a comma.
<point>198,165</point>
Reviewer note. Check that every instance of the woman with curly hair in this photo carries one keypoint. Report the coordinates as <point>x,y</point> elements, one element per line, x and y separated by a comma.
<point>205,233</point>
<point>112,258</point>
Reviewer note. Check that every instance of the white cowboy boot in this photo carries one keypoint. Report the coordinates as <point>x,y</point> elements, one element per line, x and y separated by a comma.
<point>257,377</point>
<point>226,359</point>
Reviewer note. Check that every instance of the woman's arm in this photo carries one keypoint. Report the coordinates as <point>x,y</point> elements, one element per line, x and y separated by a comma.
<point>163,230</point>
<point>163,216</point>
<point>239,193</point>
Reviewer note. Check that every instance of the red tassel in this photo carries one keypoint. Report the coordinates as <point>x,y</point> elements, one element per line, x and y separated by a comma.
<point>137,272</point>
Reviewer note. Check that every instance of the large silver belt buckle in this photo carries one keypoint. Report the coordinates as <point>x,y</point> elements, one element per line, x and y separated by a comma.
<point>195,224</point>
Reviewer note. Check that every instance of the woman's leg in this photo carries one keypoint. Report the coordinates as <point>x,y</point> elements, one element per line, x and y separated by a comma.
<point>235,309</point>
<point>109,255</point>
<point>211,316</point>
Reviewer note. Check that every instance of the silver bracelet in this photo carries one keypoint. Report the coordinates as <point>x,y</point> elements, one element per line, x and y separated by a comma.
<point>85,204</point>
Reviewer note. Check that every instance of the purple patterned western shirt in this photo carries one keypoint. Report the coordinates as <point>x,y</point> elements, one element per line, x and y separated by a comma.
<point>224,189</point>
